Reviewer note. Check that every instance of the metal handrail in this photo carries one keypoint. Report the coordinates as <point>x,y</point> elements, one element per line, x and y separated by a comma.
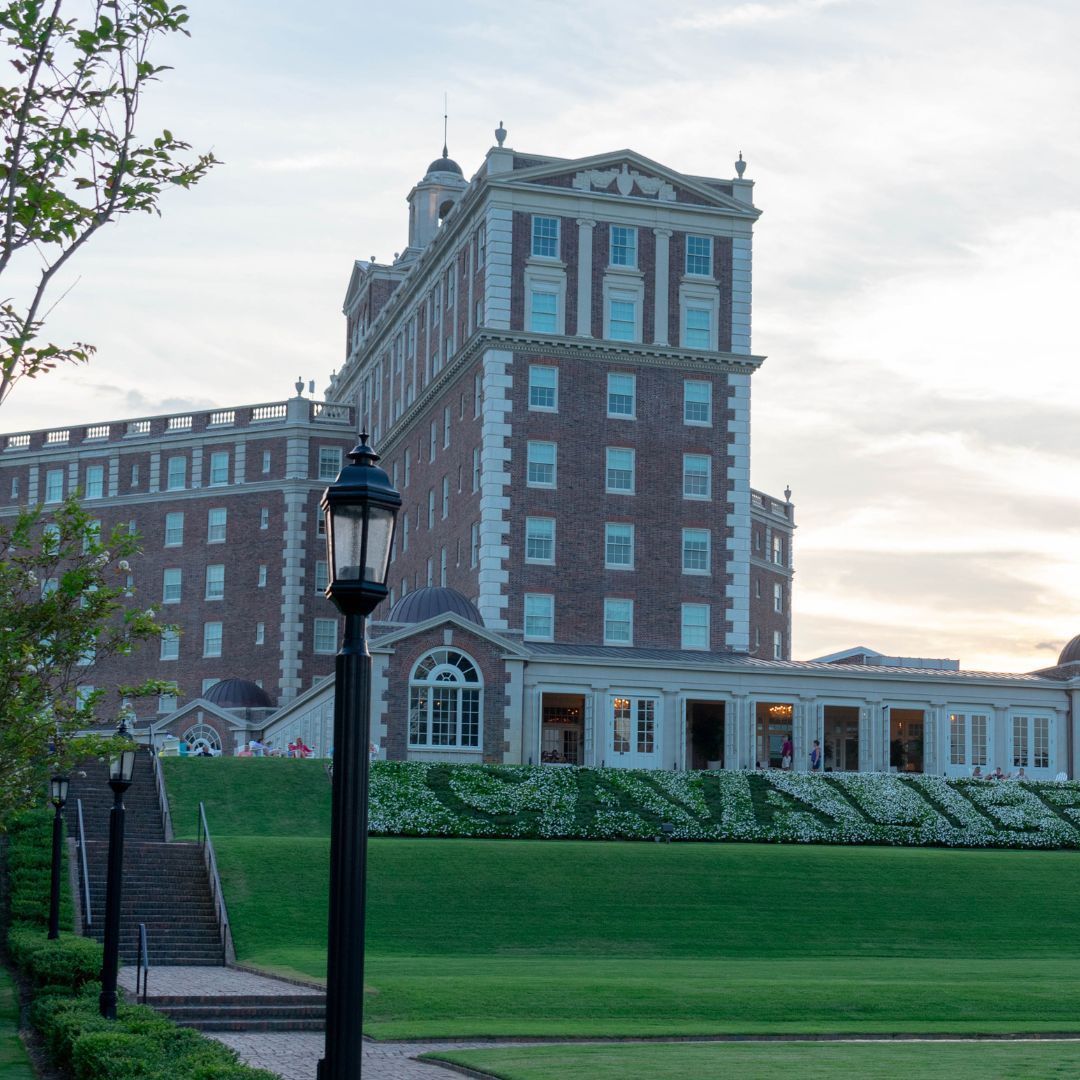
<point>210,859</point>
<point>143,970</point>
<point>163,798</point>
<point>82,857</point>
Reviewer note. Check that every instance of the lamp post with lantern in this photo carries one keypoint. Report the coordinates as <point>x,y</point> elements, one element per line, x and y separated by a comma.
<point>121,769</point>
<point>361,508</point>
<point>58,793</point>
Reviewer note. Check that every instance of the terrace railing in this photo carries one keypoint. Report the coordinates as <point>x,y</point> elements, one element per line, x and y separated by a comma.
<point>87,915</point>
<point>210,859</point>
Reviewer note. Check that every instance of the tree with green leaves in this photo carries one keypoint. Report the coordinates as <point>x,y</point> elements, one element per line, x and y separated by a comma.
<point>72,161</point>
<point>65,607</point>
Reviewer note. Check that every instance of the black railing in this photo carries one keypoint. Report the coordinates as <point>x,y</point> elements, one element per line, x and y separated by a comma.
<point>88,917</point>
<point>142,972</point>
<point>210,859</point>
<point>163,798</point>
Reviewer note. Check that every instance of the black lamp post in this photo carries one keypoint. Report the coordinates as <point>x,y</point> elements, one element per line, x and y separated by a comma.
<point>58,792</point>
<point>361,508</point>
<point>121,768</point>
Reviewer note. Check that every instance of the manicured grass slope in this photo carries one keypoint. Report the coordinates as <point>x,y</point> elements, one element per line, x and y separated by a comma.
<point>14,1064</point>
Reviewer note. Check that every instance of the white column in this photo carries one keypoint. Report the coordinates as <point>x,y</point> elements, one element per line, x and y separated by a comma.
<point>660,320</point>
<point>1002,749</point>
<point>584,277</point>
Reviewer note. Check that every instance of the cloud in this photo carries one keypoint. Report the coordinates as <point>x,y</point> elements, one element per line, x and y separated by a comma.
<point>753,14</point>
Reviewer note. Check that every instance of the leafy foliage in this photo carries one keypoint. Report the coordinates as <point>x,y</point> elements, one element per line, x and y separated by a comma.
<point>72,160</point>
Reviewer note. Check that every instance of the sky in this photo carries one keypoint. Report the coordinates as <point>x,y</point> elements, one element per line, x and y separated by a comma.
<point>915,265</point>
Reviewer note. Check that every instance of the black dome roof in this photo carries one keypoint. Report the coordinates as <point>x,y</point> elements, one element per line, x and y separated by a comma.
<point>238,694</point>
<point>423,604</point>
<point>445,164</point>
<point>1071,653</point>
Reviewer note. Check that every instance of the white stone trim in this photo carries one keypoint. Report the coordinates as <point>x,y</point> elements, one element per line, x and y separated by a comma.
<point>498,226</point>
<point>292,592</point>
<point>662,262</point>
<point>492,577</point>
<point>584,277</point>
<point>548,277</point>
<point>741,285</point>
<point>737,637</point>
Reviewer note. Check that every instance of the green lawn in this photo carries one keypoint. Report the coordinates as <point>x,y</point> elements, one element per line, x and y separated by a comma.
<point>14,1064</point>
<point>766,1061</point>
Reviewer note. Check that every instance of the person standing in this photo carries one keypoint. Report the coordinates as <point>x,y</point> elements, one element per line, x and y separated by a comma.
<point>787,753</point>
<point>815,757</point>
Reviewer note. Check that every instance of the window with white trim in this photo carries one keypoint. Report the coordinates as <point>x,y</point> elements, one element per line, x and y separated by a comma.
<point>543,311</point>
<point>623,246</point>
<point>445,693</point>
<point>166,703</point>
<point>219,468</point>
<point>95,482</point>
<point>264,518</point>
<point>211,639</point>
<point>968,739</point>
<point>266,461</point>
<point>176,475</point>
<point>262,576</point>
<point>697,402</point>
<point>322,576</point>
<point>539,617</point>
<point>699,256</point>
<point>696,476</point>
<point>445,497</point>
<point>446,428</point>
<point>260,633</point>
<point>215,582</point>
<point>1031,742</point>
<point>619,469</point>
<point>171,585</point>
<point>442,568</point>
<point>545,237</point>
<point>778,550</point>
<point>697,331</point>
<point>325,636</point>
<point>695,626</point>
<point>404,533</point>
<point>778,645</point>
<point>174,528</point>
<point>474,545</point>
<point>618,622</point>
<point>543,388</point>
<point>696,544</point>
<point>778,596</point>
<point>540,540</point>
<point>216,523</point>
<point>476,468</point>
<point>618,545</point>
<point>170,645</point>
<point>541,464</point>
<point>622,319</point>
<point>329,462</point>
<point>621,395</point>
<point>54,485</point>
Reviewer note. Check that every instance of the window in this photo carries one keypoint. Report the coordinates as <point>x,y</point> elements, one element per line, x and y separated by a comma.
<point>219,468</point>
<point>960,724</point>
<point>262,576</point>
<point>170,645</point>
<point>697,333</point>
<point>474,544</point>
<point>266,461</point>
<point>446,428</point>
<point>326,632</point>
<point>14,487</point>
<point>545,237</point>
<point>329,462</point>
<point>476,468</point>
<point>543,388</point>
<point>95,481</point>
<point>540,464</point>
<point>699,256</point>
<point>404,533</point>
<point>445,497</point>
<point>619,471</point>
<point>54,485</point>
<point>176,477</point>
<point>618,622</point>
<point>174,529</point>
<point>622,320</point>
<point>481,246</point>
<point>696,476</point>
<point>621,395</point>
<point>171,583</point>
<point>321,577</point>
<point>408,467</point>
<point>778,645</point>
<point>431,508</point>
<point>216,522</point>
<point>166,703</point>
<point>320,525</point>
<point>444,701</point>
<point>539,617</point>
<point>623,246</point>
<point>211,639</point>
<point>50,538</point>
<point>539,540</point>
<point>697,402</point>
<point>695,626</point>
<point>543,311</point>
<point>1031,741</point>
<point>215,583</point>
<point>778,550</point>
<point>778,597</point>
<point>260,633</point>
<point>695,551</point>
<point>433,441</point>
<point>478,393</point>
<point>618,546</point>
<point>135,475</point>
<point>429,578</point>
<point>442,568</point>
<point>264,518</point>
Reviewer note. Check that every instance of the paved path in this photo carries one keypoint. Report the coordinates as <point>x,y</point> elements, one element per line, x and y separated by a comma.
<point>203,981</point>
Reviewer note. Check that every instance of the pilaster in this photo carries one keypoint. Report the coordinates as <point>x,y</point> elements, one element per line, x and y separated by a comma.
<point>661,315</point>
<point>584,277</point>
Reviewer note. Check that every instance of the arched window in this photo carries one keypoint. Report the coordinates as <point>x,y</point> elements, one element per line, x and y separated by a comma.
<point>199,735</point>
<point>444,700</point>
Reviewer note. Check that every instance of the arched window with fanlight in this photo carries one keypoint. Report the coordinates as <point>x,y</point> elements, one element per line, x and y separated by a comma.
<point>445,689</point>
<point>199,735</point>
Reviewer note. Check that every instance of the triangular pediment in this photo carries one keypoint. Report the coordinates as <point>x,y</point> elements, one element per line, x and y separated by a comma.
<point>198,705</point>
<point>384,642</point>
<point>628,174</point>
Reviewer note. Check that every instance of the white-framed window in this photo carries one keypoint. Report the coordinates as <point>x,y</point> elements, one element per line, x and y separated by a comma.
<point>622,319</point>
<point>621,395</point>
<point>170,645</point>
<point>260,633</point>
<point>262,576</point>
<point>696,554</point>
<point>778,550</point>
<point>697,402</point>
<point>176,475</point>
<point>446,428</point>
<point>778,645</point>
<point>266,461</point>
<point>431,508</point>
<point>541,458</point>
<point>211,639</point>
<point>171,585</point>
<point>325,636</point>
<point>623,247</point>
<point>135,475</point>
<point>474,545</point>
<point>14,487</point>
<point>618,545</point>
<point>543,311</point>
<point>166,703</point>
<point>697,331</point>
<point>219,468</point>
<point>264,518</point>
<point>540,540</point>
<point>215,582</point>
<point>322,576</point>
<point>618,622</point>
<point>50,538</point>
<point>696,476</point>
<point>404,533</point>
<point>217,520</point>
<point>1031,742</point>
<point>543,388</point>
<point>476,468</point>
<point>445,497</point>
<point>778,596</point>
<point>54,485</point>
<point>969,739</point>
<point>478,393</point>
<point>545,237</point>
<point>430,579</point>
<point>695,626</point>
<point>619,469</point>
<point>442,568</point>
<point>329,462</point>
<point>433,440</point>
<point>174,528</point>
<point>481,246</point>
<point>445,693</point>
<point>407,467</point>
<point>699,256</point>
<point>539,617</point>
<point>95,482</point>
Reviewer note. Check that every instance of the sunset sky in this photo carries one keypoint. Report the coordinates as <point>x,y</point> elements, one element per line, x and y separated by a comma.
<point>915,276</point>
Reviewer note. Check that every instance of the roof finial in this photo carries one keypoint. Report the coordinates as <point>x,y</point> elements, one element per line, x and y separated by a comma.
<point>500,134</point>
<point>740,165</point>
<point>445,115</point>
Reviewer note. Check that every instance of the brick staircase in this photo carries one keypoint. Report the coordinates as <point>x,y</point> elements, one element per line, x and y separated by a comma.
<point>254,1012</point>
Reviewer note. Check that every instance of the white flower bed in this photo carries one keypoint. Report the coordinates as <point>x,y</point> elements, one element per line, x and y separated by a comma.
<point>421,799</point>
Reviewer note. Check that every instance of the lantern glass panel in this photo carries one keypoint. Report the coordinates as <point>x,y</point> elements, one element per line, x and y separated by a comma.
<point>380,532</point>
<point>346,538</point>
<point>122,766</point>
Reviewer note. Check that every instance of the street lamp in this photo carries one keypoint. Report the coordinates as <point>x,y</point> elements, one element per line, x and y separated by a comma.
<point>58,792</point>
<point>360,507</point>
<point>121,768</point>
